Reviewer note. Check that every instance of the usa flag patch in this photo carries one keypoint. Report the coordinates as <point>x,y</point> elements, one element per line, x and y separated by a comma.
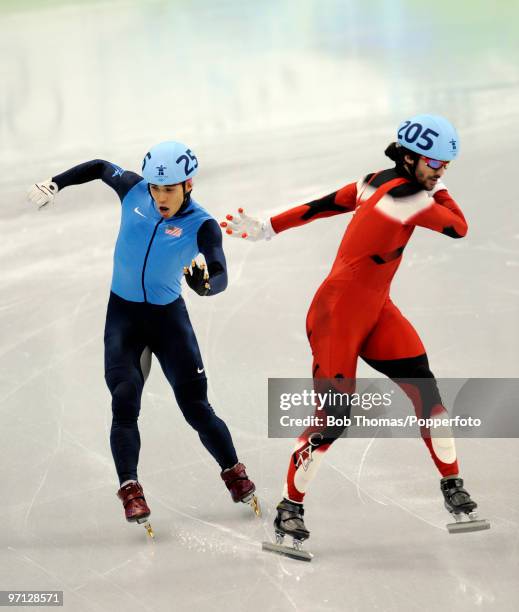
<point>174,231</point>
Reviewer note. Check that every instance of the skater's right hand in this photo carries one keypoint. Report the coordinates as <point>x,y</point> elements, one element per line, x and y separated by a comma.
<point>243,226</point>
<point>42,193</point>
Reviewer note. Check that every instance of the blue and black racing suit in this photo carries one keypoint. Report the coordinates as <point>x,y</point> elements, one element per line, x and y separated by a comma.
<point>146,309</point>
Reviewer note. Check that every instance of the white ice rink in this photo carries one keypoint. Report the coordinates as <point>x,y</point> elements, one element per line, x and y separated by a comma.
<point>283,101</point>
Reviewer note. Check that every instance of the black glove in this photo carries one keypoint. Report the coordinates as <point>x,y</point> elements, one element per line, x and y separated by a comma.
<point>197,278</point>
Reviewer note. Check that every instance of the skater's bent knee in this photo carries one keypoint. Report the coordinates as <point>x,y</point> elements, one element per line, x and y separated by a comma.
<point>126,391</point>
<point>421,371</point>
<point>126,402</point>
<point>192,400</point>
<point>199,414</point>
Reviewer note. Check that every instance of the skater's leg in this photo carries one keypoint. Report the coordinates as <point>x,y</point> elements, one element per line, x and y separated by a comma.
<point>126,388</point>
<point>309,452</point>
<point>395,349</point>
<point>180,359</point>
<point>311,445</point>
<point>213,432</point>
<point>418,383</point>
<point>179,356</point>
<point>337,323</point>
<point>123,349</point>
<point>304,463</point>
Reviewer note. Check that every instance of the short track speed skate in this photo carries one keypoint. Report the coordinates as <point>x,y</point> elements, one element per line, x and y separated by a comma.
<point>241,487</point>
<point>136,509</point>
<point>459,504</point>
<point>289,521</point>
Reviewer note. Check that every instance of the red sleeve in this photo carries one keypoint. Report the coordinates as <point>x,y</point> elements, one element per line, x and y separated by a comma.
<point>335,203</point>
<point>443,216</point>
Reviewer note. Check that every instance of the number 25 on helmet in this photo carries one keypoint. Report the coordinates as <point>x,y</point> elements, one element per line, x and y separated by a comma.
<point>169,163</point>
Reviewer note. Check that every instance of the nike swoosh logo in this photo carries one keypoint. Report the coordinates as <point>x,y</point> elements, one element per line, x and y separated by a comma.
<point>136,209</point>
<point>200,370</point>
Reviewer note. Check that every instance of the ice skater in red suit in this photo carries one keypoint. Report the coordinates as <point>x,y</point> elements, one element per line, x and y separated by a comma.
<point>352,314</point>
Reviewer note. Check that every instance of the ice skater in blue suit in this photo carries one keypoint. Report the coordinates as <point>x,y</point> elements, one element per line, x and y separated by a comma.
<point>162,230</point>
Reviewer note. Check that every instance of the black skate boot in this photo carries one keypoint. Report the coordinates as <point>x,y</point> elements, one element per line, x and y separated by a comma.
<point>460,505</point>
<point>289,521</point>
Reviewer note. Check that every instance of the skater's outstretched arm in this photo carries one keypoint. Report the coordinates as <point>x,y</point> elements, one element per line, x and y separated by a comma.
<point>336,203</point>
<point>120,180</point>
<point>443,216</point>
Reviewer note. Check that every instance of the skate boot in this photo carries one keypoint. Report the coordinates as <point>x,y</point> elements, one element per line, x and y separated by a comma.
<point>136,509</point>
<point>459,504</point>
<point>289,521</point>
<point>241,487</point>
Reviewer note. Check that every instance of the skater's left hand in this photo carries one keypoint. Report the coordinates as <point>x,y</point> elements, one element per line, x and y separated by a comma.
<point>197,278</point>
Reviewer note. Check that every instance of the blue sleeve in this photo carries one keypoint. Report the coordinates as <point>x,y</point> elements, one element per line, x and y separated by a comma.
<point>209,240</point>
<point>118,179</point>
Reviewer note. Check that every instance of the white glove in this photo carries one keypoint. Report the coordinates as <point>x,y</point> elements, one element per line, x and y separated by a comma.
<point>438,187</point>
<point>243,226</point>
<point>42,193</point>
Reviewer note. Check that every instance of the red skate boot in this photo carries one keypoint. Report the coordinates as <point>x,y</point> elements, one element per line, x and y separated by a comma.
<point>241,487</point>
<point>136,509</point>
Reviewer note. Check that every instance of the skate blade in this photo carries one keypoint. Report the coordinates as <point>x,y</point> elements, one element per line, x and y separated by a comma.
<point>287,551</point>
<point>147,525</point>
<point>255,505</point>
<point>468,526</point>
<point>253,502</point>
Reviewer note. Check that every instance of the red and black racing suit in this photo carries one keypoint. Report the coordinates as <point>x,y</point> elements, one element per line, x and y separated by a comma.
<point>352,313</point>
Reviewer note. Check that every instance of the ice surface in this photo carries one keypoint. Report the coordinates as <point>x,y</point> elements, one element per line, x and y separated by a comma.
<point>283,102</point>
